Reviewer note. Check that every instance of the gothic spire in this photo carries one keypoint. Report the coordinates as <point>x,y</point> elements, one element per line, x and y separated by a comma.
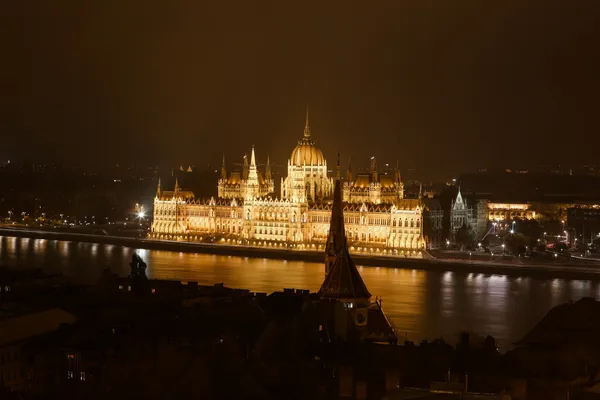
<point>223,170</point>
<point>252,172</point>
<point>336,239</point>
<point>176,185</point>
<point>245,167</point>
<point>268,176</point>
<point>349,171</point>
<point>342,279</point>
<point>374,171</point>
<point>158,190</point>
<point>306,125</point>
<point>398,176</point>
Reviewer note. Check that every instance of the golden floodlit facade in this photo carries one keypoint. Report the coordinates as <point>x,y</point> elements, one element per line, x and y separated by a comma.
<point>378,219</point>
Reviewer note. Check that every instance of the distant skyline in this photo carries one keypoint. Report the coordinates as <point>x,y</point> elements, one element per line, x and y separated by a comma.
<point>441,87</point>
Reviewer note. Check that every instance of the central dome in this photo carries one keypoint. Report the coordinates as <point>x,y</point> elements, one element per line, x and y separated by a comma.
<point>307,152</point>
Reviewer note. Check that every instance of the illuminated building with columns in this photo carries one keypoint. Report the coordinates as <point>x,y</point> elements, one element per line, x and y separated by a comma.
<point>378,219</point>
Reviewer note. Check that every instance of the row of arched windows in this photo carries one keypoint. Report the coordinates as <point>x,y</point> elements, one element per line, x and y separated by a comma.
<point>412,223</point>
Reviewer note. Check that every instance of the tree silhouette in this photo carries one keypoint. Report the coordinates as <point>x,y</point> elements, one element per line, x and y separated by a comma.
<point>465,237</point>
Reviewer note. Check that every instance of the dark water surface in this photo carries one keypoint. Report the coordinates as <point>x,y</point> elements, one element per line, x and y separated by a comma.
<point>423,304</point>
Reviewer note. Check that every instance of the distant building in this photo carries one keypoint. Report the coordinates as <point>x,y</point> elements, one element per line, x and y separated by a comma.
<point>373,188</point>
<point>460,215</point>
<point>250,183</point>
<point>433,220</point>
<point>378,218</point>
<point>506,212</point>
<point>584,223</point>
<point>15,335</point>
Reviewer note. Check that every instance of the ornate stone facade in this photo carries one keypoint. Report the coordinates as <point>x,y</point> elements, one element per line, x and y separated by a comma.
<point>249,184</point>
<point>245,212</point>
<point>307,172</point>
<point>461,214</point>
<point>373,188</point>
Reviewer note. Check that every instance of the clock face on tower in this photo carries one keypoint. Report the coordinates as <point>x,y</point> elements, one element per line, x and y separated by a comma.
<point>360,318</point>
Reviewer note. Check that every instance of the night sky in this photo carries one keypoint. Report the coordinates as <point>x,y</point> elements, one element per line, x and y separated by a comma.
<point>443,86</point>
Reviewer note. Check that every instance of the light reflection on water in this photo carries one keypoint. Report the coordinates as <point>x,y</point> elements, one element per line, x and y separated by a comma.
<point>420,304</point>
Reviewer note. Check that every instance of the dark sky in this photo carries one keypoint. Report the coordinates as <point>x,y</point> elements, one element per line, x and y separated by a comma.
<point>443,86</point>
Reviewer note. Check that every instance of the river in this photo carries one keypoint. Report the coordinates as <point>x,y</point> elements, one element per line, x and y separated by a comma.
<point>420,304</point>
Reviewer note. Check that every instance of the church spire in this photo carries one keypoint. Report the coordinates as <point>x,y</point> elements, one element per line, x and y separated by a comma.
<point>223,170</point>
<point>342,279</point>
<point>336,239</point>
<point>306,125</point>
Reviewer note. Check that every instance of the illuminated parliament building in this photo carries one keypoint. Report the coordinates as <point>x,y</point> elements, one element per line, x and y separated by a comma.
<point>378,219</point>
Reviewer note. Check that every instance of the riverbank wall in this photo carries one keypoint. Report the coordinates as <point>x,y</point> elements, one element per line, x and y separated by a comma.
<point>558,269</point>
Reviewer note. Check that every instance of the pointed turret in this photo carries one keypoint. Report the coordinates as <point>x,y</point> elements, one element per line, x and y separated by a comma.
<point>374,171</point>
<point>349,172</point>
<point>158,189</point>
<point>306,125</point>
<point>268,176</point>
<point>176,185</point>
<point>252,181</point>
<point>252,159</point>
<point>252,173</point>
<point>223,170</point>
<point>420,190</point>
<point>459,202</point>
<point>245,168</point>
<point>397,175</point>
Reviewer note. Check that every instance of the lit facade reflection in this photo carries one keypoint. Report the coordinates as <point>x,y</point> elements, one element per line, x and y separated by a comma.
<point>425,305</point>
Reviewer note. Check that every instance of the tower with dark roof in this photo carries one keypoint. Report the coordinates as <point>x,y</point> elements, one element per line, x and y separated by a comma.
<point>343,284</point>
<point>336,239</point>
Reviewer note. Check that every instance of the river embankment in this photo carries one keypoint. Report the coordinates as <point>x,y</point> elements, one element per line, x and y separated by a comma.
<point>561,268</point>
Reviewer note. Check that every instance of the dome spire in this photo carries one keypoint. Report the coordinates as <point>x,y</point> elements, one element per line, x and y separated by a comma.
<point>306,125</point>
